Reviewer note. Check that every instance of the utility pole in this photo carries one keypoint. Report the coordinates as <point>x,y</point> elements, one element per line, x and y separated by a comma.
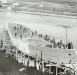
<point>66,35</point>
<point>66,29</point>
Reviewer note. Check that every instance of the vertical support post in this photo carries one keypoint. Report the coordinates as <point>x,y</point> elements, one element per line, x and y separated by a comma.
<point>41,62</point>
<point>17,56</point>
<point>74,72</point>
<point>35,61</point>
<point>66,35</point>
<point>28,62</point>
<point>24,59</point>
<point>56,70</point>
<point>49,69</point>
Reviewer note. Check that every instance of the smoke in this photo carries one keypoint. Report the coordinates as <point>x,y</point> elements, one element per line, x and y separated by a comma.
<point>22,46</point>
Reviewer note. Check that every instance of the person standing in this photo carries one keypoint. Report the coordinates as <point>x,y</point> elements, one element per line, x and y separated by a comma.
<point>69,45</point>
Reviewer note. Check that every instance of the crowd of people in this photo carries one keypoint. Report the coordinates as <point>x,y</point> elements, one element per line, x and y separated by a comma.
<point>60,45</point>
<point>31,61</point>
<point>22,31</point>
<point>34,62</point>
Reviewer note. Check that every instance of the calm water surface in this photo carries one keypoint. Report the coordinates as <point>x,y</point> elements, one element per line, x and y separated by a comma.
<point>43,24</point>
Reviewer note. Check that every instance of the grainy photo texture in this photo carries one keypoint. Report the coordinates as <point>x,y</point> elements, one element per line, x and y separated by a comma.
<point>38,37</point>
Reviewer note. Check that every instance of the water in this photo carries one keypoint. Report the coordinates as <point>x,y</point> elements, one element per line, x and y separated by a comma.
<point>46,25</point>
<point>43,24</point>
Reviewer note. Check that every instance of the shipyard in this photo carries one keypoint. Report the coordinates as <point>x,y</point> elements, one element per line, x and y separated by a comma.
<point>38,37</point>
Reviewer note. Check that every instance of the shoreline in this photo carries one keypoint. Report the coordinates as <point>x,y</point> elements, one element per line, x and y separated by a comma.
<point>47,14</point>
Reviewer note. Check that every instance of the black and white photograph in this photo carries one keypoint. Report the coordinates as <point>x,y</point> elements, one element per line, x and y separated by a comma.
<point>38,37</point>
